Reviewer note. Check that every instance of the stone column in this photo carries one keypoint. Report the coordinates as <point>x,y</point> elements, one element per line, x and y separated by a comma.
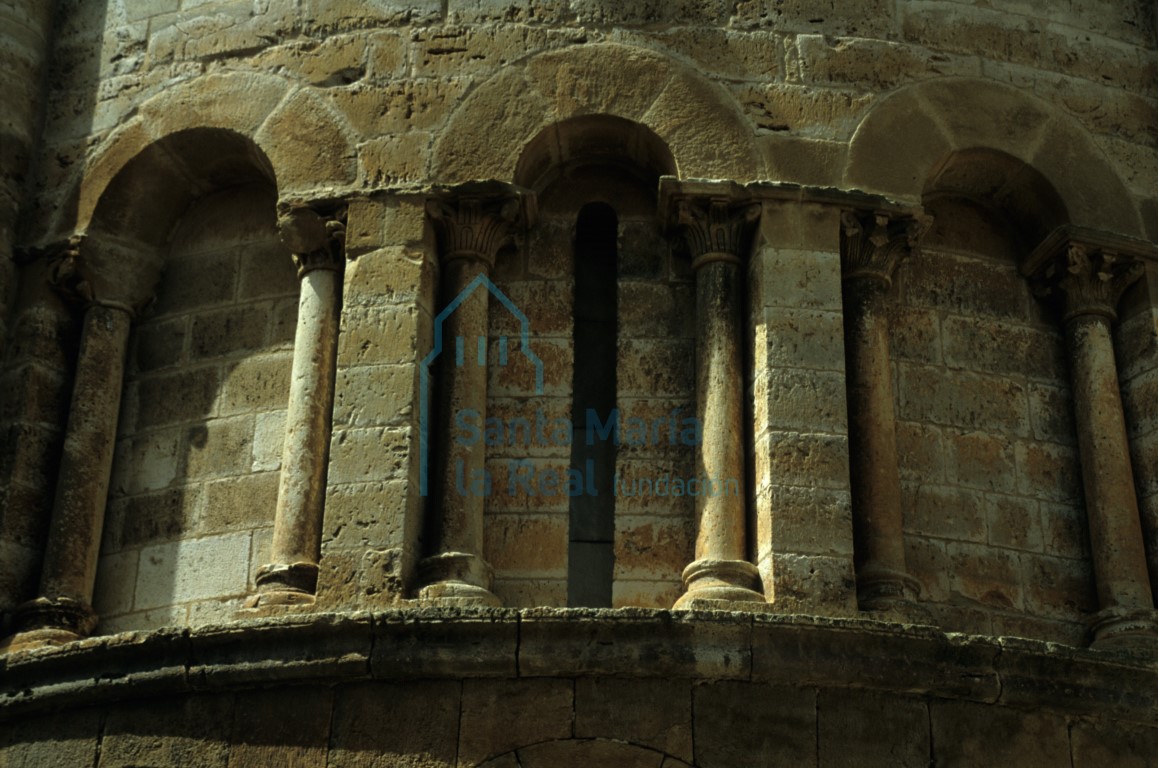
<point>37,385</point>
<point>318,248</point>
<point>871,248</point>
<point>718,233</point>
<point>471,228</point>
<point>1088,273</point>
<point>111,281</point>
<point>63,611</point>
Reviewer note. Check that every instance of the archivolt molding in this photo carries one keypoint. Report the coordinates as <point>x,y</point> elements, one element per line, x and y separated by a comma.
<point>700,123</point>
<point>307,147</point>
<point>909,134</point>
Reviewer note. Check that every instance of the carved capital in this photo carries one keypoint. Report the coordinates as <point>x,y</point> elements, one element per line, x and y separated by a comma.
<point>316,241</point>
<point>474,225</point>
<point>873,244</point>
<point>1085,272</point>
<point>66,272</point>
<point>716,228</point>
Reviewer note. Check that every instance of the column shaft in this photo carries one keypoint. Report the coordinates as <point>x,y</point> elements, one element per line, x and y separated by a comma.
<point>1088,272</point>
<point>63,611</point>
<point>874,474</point>
<point>1116,540</point>
<point>318,247</point>
<point>716,231</point>
<point>473,223</point>
<point>292,573</point>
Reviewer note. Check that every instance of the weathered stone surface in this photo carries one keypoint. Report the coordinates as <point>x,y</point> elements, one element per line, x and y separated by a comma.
<point>423,720</point>
<point>868,729</point>
<point>775,723</point>
<point>499,715</point>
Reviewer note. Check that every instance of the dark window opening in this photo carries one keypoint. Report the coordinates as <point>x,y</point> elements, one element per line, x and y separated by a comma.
<point>591,558</point>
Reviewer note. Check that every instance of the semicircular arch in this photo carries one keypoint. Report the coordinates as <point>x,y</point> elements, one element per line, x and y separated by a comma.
<point>909,136</point>
<point>695,118</point>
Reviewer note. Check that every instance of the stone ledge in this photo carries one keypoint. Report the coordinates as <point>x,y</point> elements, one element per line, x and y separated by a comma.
<point>579,643</point>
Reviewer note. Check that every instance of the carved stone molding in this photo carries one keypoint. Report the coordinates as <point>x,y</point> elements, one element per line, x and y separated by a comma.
<point>65,270</point>
<point>872,244</point>
<point>475,221</point>
<point>716,229</point>
<point>316,241</point>
<point>1086,271</point>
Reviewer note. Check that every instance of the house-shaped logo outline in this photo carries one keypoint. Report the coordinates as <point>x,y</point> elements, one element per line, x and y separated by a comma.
<point>436,351</point>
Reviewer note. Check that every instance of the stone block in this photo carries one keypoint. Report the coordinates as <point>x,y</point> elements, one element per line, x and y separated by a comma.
<point>375,395</point>
<point>1014,522</point>
<point>395,725</point>
<point>217,447</point>
<point>288,727</point>
<point>183,732</point>
<point>914,334</point>
<point>870,18</point>
<point>501,715</point>
<point>186,395</point>
<point>798,160</point>
<point>804,339</point>
<point>803,459</point>
<point>1058,587</point>
<point>752,724</point>
<point>652,713</point>
<point>526,546</point>
<point>239,503</point>
<point>997,348</point>
<point>158,344</point>
<point>267,270</point>
<point>636,474</point>
<point>116,581</point>
<point>748,55</point>
<point>437,643</point>
<point>373,514</point>
<point>965,285</point>
<point>308,144</point>
<point>967,401</point>
<point>1065,530</point>
<point>257,383</point>
<point>529,593</point>
<point>518,377</point>
<point>1049,471</point>
<point>1096,744</point>
<point>981,460</point>
<point>652,549</point>
<point>985,575</point>
<point>1051,411</point>
<point>153,517</point>
<point>68,740</point>
<point>147,462</point>
<point>395,160</point>
<point>799,280</point>
<point>814,584</point>
<point>968,733</point>
<point>875,64</point>
<point>371,455</point>
<point>807,520</point>
<point>193,569</point>
<point>920,451</point>
<point>655,368</point>
<point>815,113</point>
<point>268,441</point>
<point>800,400</point>
<point>634,644</point>
<point>865,728</point>
<point>927,561</point>
<point>383,335</point>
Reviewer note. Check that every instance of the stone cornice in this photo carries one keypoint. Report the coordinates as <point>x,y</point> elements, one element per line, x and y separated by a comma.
<point>451,644</point>
<point>1086,270</point>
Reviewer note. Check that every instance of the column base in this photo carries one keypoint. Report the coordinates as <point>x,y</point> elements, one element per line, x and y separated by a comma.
<point>717,584</point>
<point>1120,629</point>
<point>456,579</point>
<point>50,621</point>
<point>285,584</point>
<point>883,589</point>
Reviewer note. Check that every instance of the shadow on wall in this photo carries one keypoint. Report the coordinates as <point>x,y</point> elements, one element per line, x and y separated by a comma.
<point>194,480</point>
